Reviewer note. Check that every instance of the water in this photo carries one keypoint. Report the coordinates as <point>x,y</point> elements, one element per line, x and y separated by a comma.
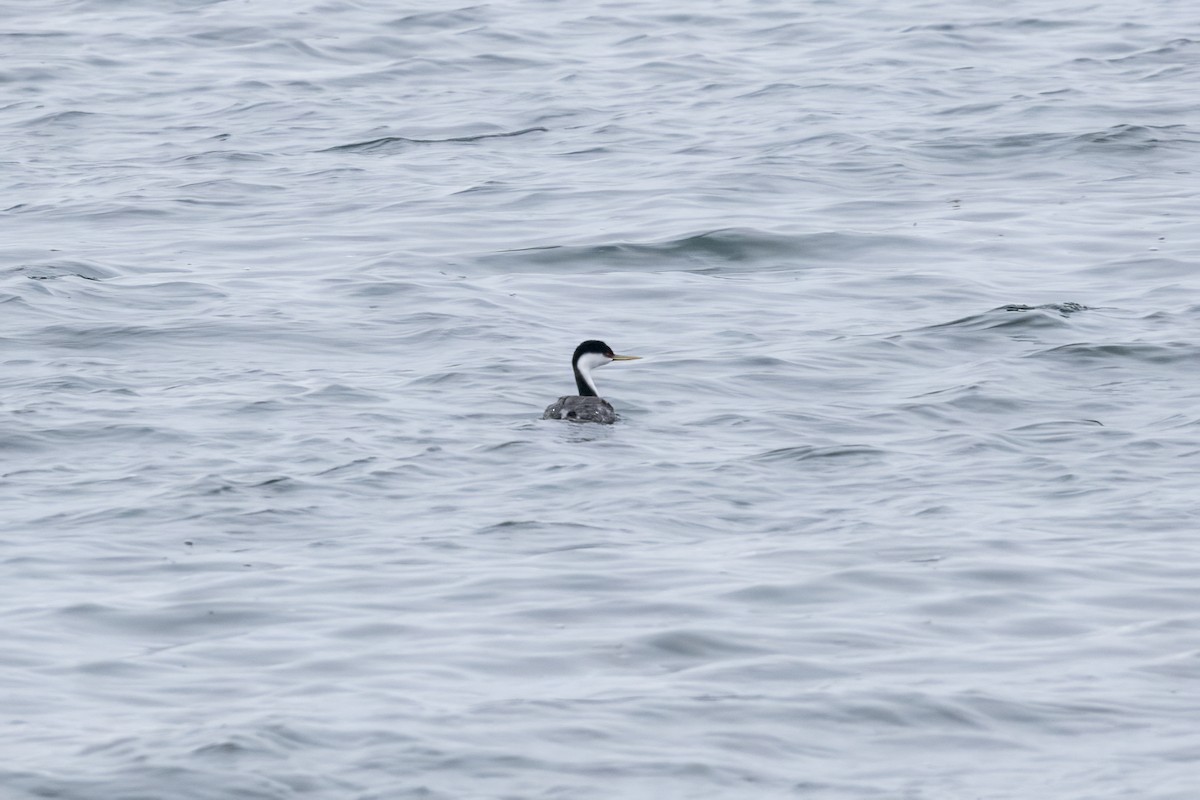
<point>903,500</point>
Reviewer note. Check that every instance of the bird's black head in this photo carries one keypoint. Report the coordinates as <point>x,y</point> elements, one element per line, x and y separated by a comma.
<point>589,355</point>
<point>592,346</point>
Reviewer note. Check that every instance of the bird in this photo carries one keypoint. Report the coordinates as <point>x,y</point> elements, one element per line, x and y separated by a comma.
<point>587,406</point>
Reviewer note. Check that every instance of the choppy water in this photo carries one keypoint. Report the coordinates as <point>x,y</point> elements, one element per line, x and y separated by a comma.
<point>903,503</point>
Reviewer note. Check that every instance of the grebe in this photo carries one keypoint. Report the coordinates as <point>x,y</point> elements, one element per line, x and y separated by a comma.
<point>587,406</point>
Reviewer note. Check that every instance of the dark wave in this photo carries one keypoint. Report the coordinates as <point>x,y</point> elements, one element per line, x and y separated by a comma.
<point>1161,353</point>
<point>721,250</point>
<point>388,141</point>
<point>810,453</point>
<point>1014,316</point>
<point>1138,137</point>
<point>64,269</point>
<point>1169,53</point>
<point>1019,25</point>
<point>439,20</point>
<point>56,118</point>
<point>1123,136</point>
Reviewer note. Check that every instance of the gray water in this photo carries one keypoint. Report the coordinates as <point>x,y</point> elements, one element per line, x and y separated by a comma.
<point>903,501</point>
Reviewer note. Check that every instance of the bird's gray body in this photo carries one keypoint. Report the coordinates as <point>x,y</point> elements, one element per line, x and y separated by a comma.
<point>582,409</point>
<point>588,405</point>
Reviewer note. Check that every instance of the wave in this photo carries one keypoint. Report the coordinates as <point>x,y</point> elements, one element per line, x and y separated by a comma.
<point>1160,353</point>
<point>63,269</point>
<point>811,453</point>
<point>715,251</point>
<point>1019,24</point>
<point>392,141</point>
<point>1128,137</point>
<point>1014,316</point>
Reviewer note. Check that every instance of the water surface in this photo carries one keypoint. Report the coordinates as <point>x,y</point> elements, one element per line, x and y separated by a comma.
<point>902,503</point>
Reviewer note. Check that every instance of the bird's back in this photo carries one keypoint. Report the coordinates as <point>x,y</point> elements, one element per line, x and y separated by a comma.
<point>582,409</point>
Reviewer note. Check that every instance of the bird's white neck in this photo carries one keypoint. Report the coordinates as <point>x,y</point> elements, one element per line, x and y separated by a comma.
<point>583,372</point>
